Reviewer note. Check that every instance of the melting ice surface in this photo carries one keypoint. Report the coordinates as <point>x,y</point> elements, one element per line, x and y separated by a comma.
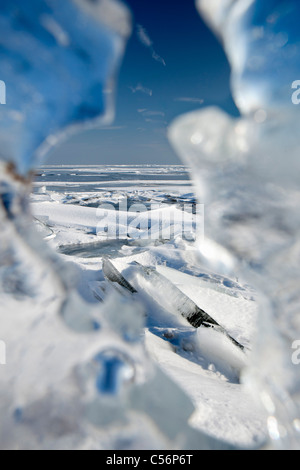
<point>247,171</point>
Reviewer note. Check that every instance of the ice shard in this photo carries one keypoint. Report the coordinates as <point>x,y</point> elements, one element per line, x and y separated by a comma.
<point>262,41</point>
<point>246,170</point>
<point>58,62</point>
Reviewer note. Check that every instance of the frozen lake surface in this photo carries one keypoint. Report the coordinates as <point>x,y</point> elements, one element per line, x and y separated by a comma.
<point>70,201</point>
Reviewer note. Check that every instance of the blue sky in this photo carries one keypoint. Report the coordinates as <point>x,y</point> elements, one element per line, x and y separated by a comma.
<point>173,64</point>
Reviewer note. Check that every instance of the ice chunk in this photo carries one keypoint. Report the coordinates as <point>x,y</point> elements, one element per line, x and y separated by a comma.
<point>262,41</point>
<point>58,61</point>
<point>246,171</point>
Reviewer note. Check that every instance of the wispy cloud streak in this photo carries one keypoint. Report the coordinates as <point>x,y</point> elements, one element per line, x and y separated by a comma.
<point>143,36</point>
<point>146,112</point>
<point>112,128</point>
<point>145,39</point>
<point>142,89</point>
<point>187,99</point>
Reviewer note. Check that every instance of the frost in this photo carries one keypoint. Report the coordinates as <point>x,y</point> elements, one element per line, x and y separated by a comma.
<point>247,170</point>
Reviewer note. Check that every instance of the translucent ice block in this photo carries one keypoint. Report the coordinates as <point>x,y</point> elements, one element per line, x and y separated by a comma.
<point>58,61</point>
<point>262,41</point>
<point>246,171</point>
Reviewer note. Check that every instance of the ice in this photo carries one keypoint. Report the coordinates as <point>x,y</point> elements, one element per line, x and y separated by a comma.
<point>58,73</point>
<point>262,41</point>
<point>77,373</point>
<point>152,318</point>
<point>222,352</point>
<point>88,367</point>
<point>246,171</point>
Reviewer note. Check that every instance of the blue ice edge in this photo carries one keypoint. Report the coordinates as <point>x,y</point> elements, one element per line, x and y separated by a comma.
<point>58,61</point>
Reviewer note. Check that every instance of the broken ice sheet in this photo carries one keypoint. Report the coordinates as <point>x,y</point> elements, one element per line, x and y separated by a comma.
<point>58,61</point>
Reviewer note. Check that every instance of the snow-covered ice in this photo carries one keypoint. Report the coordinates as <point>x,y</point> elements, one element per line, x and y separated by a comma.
<point>204,363</point>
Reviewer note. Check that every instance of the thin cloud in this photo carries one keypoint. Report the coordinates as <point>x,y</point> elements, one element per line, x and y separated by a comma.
<point>158,58</point>
<point>142,89</point>
<point>146,113</point>
<point>112,128</point>
<point>156,121</point>
<point>145,39</point>
<point>143,36</point>
<point>187,99</point>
